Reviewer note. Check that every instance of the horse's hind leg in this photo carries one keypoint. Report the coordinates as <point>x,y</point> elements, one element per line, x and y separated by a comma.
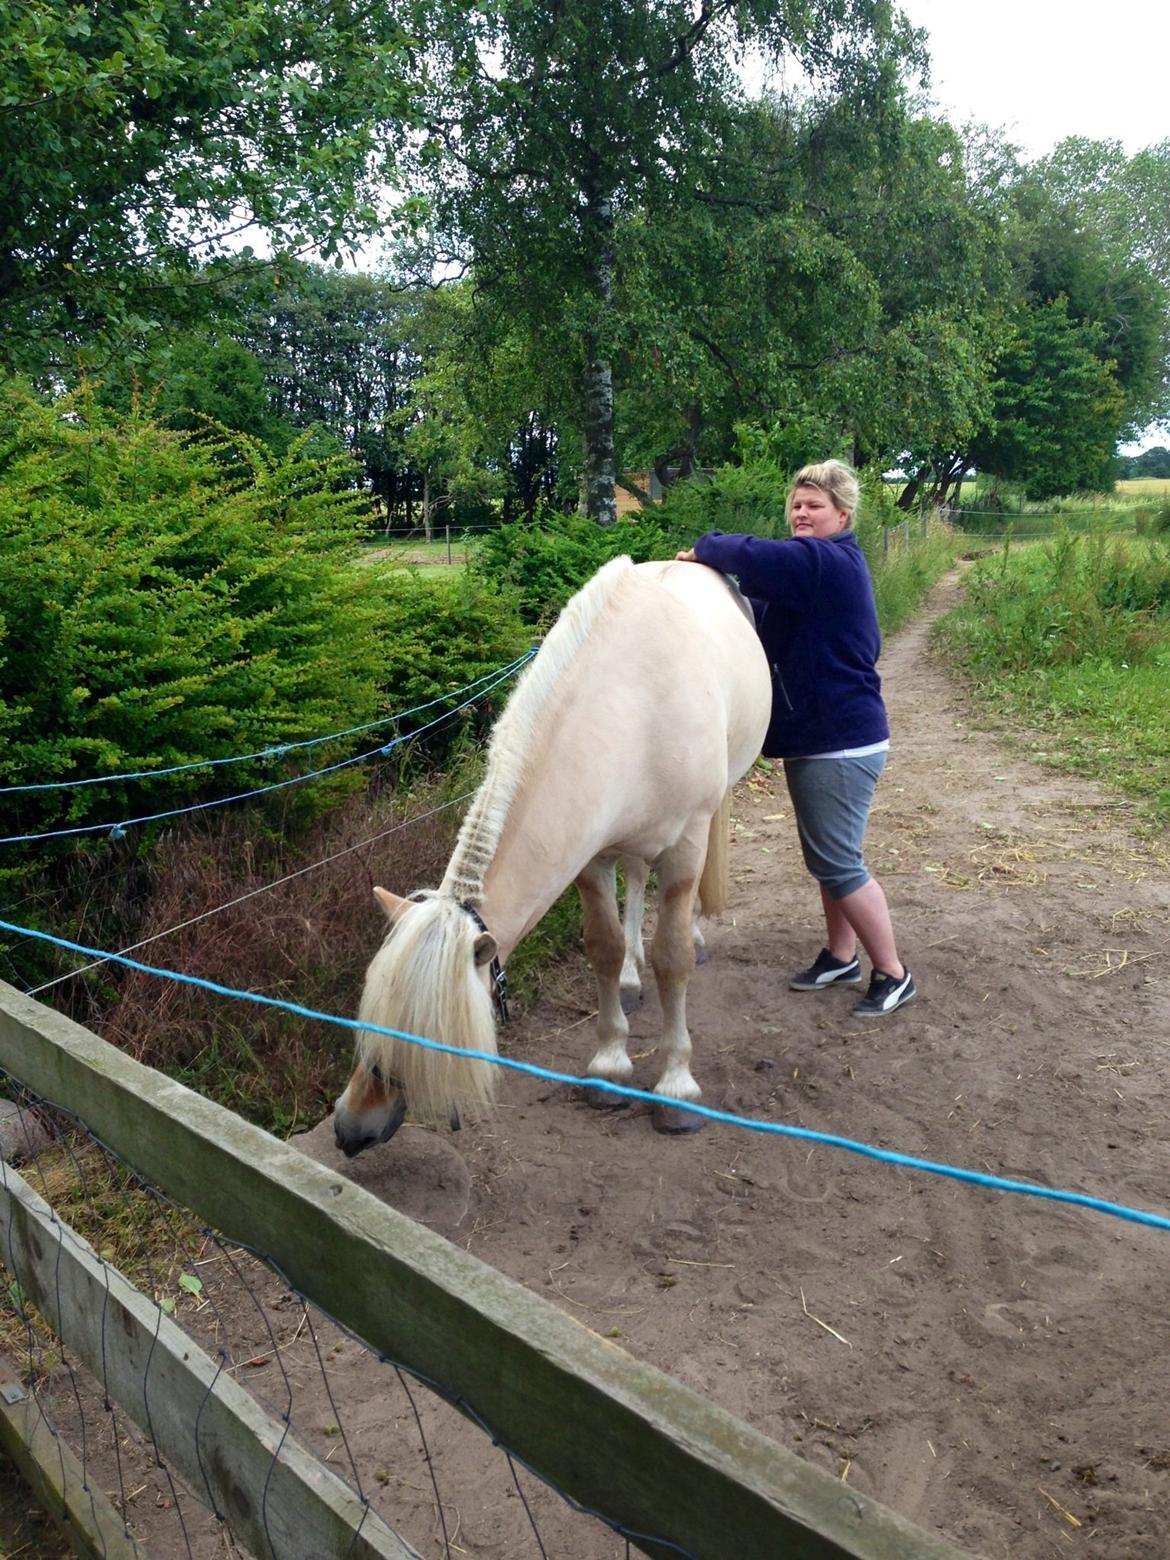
<point>635,871</point>
<point>672,953</point>
<point>605,949</point>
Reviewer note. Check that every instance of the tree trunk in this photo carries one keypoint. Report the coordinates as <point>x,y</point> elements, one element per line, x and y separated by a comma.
<point>909,494</point>
<point>599,478</point>
<point>428,520</point>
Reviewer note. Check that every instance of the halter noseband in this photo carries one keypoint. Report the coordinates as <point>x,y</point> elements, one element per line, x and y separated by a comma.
<point>499,977</point>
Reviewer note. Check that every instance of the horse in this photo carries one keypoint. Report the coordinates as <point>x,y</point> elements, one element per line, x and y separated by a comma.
<point>648,699</point>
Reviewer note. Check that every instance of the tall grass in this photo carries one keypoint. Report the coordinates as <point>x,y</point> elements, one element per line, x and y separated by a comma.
<point>307,941</point>
<point>904,573</point>
<point>1073,640</point>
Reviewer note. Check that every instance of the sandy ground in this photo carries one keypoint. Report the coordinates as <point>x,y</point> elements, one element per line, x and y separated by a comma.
<point>998,1367</point>
<point>993,1366</point>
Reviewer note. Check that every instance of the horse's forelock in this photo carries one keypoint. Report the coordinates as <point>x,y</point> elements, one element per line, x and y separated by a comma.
<point>423,982</point>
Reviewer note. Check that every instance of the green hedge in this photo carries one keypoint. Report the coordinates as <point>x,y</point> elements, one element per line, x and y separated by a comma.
<point>442,630</point>
<point>166,599</point>
<point>542,562</point>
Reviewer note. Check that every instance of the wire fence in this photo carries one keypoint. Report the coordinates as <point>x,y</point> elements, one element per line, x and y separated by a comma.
<point>151,1457</point>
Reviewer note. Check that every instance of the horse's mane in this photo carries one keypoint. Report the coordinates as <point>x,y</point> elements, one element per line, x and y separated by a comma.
<point>512,738</point>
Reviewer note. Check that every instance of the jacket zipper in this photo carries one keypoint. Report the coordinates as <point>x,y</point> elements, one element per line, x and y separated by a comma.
<point>783,689</point>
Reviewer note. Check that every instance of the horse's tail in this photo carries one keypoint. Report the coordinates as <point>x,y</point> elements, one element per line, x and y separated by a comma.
<point>423,981</point>
<point>713,885</point>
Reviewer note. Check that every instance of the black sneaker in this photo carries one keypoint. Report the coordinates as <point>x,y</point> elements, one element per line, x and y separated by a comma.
<point>824,971</point>
<point>885,994</point>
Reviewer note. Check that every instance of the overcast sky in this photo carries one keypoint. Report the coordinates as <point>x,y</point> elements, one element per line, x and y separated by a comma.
<point>1045,70</point>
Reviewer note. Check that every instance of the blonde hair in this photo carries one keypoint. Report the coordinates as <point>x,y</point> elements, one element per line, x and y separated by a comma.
<point>832,477</point>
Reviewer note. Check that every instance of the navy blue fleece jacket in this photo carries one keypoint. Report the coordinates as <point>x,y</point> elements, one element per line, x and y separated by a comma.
<point>816,618</point>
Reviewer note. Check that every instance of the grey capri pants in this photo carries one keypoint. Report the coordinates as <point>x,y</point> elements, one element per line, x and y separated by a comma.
<point>831,799</point>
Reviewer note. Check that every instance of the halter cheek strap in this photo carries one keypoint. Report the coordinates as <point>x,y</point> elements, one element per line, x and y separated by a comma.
<point>499,977</point>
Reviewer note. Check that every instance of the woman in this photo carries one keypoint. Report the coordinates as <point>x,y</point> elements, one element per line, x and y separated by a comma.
<point>816,617</point>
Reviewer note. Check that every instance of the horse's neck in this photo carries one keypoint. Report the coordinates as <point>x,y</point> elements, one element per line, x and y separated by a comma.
<point>550,834</point>
<point>541,812</point>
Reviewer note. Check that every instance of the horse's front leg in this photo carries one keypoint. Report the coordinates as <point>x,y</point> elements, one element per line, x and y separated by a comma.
<point>672,954</point>
<point>635,871</point>
<point>605,949</point>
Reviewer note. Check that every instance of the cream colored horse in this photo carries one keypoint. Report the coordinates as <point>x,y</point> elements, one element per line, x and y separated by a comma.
<point>648,700</point>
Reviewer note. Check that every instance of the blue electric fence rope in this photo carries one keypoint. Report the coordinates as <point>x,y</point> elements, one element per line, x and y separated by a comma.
<point>117,830</point>
<point>280,749</point>
<point>621,1091</point>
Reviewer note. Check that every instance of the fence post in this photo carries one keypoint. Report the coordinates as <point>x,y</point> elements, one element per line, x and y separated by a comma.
<point>447,528</point>
<point>885,541</point>
<point>906,532</point>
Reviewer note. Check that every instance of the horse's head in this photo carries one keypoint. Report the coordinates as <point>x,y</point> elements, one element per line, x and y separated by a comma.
<point>409,987</point>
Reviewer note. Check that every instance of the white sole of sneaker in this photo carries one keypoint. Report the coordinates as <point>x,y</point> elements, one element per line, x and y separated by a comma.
<point>826,985</point>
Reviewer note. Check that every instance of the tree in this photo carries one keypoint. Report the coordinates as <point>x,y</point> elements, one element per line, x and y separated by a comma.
<point>1082,358</point>
<point>1153,462</point>
<point>1057,407</point>
<point>1084,237</point>
<point>549,125</point>
<point>140,134</point>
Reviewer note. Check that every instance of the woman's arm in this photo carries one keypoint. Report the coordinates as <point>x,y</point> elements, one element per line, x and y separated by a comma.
<point>774,571</point>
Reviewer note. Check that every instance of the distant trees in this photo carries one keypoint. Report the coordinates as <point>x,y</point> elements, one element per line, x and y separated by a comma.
<point>1150,463</point>
<point>1083,319</point>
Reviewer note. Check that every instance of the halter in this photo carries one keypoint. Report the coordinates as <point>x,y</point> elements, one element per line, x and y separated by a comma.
<point>499,978</point>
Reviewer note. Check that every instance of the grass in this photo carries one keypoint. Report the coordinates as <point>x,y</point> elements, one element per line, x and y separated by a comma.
<point>1072,641</point>
<point>1143,487</point>
<point>416,553</point>
<point>903,575</point>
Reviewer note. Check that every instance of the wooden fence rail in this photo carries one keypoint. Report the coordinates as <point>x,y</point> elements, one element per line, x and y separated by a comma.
<point>616,1435</point>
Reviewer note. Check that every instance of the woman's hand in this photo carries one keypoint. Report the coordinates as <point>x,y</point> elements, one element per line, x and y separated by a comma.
<point>686,557</point>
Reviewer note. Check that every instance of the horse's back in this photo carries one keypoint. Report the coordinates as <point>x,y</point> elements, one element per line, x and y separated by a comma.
<point>674,668</point>
<point>708,631</point>
<point>714,598</point>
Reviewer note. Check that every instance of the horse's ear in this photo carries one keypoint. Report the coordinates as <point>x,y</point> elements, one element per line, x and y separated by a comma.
<point>391,904</point>
<point>486,948</point>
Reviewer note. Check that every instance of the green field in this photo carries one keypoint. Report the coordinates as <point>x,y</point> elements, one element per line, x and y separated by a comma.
<point>1070,642</point>
<point>1143,487</point>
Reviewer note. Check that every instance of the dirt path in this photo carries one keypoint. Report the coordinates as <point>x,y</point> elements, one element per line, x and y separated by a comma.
<point>1001,1372</point>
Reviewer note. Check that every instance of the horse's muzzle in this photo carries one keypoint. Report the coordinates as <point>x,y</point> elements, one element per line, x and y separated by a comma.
<point>352,1138</point>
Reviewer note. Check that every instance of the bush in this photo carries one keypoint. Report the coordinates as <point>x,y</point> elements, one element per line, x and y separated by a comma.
<point>1074,639</point>
<point>442,630</point>
<point>166,600</point>
<point>747,499</point>
<point>543,562</point>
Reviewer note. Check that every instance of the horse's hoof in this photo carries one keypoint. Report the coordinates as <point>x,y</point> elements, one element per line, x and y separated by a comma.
<point>701,954</point>
<point>631,999</point>
<point>675,1122</point>
<point>602,1099</point>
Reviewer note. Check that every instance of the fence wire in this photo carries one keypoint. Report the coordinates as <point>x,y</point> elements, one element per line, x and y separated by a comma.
<point>439,1478</point>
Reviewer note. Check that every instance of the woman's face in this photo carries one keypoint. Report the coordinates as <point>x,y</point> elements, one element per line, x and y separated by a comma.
<point>813,513</point>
